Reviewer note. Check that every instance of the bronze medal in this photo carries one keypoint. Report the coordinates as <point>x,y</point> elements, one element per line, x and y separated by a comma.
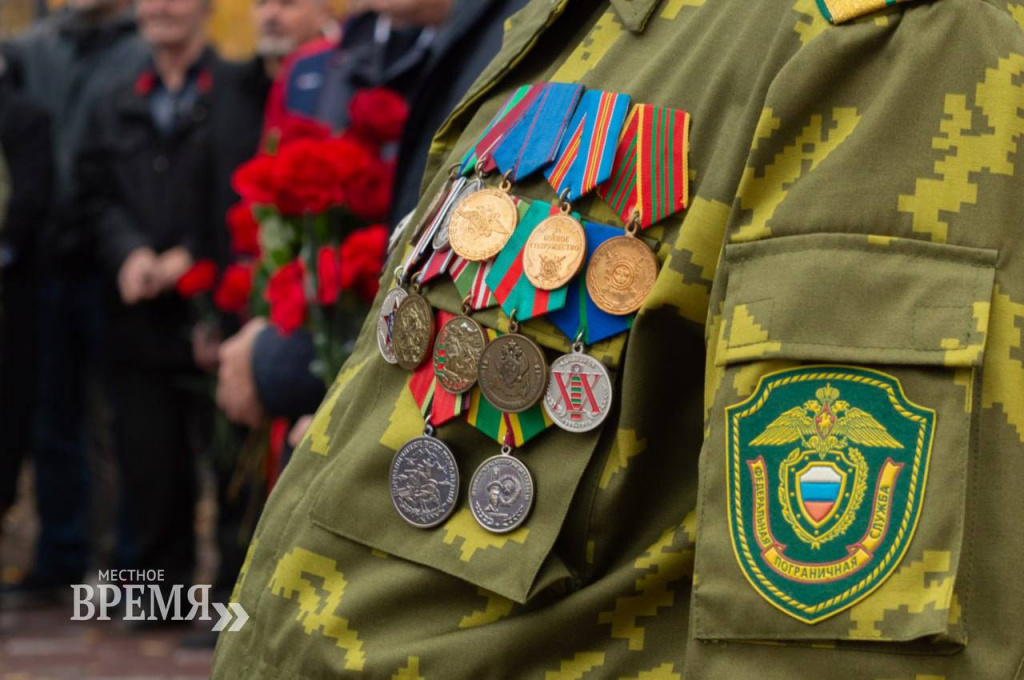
<point>482,224</point>
<point>513,373</point>
<point>386,323</point>
<point>413,331</point>
<point>554,252</point>
<point>621,275</point>
<point>457,351</point>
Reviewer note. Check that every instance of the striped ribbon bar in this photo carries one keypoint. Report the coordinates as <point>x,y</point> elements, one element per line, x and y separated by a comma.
<point>437,264</point>
<point>585,157</point>
<point>471,281</point>
<point>650,177</point>
<point>580,313</point>
<point>514,429</point>
<point>435,404</point>
<point>507,279</point>
<point>509,114</point>
<point>533,142</point>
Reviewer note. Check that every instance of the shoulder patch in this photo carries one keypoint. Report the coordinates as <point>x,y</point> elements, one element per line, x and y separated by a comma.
<point>841,11</point>
<point>826,469</point>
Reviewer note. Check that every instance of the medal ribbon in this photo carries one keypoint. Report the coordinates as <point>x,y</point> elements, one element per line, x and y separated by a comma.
<point>580,313</point>
<point>513,110</point>
<point>435,404</point>
<point>585,157</point>
<point>511,287</point>
<point>650,177</point>
<point>471,281</point>
<point>437,264</point>
<point>514,429</point>
<point>534,140</point>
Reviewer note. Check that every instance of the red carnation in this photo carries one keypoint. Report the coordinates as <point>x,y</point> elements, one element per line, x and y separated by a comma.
<point>369,192</point>
<point>295,128</point>
<point>254,180</point>
<point>199,279</point>
<point>244,229</point>
<point>378,114</point>
<point>328,277</point>
<point>362,257</point>
<point>232,295</point>
<point>306,178</point>
<point>287,297</point>
<point>349,155</point>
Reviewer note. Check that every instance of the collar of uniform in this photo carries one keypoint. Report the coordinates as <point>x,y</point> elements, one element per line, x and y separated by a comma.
<point>634,13</point>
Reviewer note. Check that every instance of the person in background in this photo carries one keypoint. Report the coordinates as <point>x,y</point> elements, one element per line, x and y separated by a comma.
<point>64,64</point>
<point>145,178</point>
<point>264,374</point>
<point>28,156</point>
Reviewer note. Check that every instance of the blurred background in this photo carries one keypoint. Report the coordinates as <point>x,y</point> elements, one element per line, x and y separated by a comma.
<point>196,202</point>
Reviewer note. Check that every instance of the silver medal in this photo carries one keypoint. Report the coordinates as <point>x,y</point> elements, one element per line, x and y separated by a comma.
<point>386,321</point>
<point>579,393</point>
<point>458,193</point>
<point>501,494</point>
<point>424,482</point>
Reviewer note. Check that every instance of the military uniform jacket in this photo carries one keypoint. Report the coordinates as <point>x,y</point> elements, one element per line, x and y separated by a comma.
<point>830,364</point>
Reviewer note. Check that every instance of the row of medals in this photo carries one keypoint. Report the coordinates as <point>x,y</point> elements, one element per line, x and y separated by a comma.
<point>512,371</point>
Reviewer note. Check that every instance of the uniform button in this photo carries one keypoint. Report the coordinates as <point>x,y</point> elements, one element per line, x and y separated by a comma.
<point>160,163</point>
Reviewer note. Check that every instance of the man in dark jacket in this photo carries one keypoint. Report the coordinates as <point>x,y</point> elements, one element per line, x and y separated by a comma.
<point>146,178</point>
<point>25,140</point>
<point>64,64</point>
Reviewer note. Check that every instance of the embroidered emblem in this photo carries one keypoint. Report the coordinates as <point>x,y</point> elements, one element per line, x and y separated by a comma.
<point>826,468</point>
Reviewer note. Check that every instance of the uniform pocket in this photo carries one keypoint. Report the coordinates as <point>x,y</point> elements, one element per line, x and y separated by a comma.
<point>354,499</point>
<point>835,471</point>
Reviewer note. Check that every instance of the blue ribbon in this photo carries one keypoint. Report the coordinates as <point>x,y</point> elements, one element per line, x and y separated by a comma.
<point>534,141</point>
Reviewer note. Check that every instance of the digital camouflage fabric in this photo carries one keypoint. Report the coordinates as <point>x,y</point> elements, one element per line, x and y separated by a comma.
<point>815,468</point>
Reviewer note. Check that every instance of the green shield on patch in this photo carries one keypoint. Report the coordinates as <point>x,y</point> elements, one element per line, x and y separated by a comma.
<point>826,469</point>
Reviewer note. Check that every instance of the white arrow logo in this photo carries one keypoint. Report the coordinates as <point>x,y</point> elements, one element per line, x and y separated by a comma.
<point>226,616</point>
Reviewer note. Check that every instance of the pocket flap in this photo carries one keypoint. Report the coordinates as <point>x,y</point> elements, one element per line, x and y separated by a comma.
<point>853,299</point>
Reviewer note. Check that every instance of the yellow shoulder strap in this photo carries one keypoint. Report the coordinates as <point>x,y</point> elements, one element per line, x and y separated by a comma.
<point>840,11</point>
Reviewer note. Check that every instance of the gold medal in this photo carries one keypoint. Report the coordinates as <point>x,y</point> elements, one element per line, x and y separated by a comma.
<point>621,274</point>
<point>413,331</point>
<point>555,251</point>
<point>483,223</point>
<point>460,343</point>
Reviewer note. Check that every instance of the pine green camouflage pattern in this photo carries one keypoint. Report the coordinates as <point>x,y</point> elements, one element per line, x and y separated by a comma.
<point>857,199</point>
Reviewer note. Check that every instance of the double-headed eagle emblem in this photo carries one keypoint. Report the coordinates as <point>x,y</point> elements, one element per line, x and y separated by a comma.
<point>826,424</point>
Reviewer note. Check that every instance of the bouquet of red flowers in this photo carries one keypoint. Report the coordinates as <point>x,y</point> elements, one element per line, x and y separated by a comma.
<point>308,229</point>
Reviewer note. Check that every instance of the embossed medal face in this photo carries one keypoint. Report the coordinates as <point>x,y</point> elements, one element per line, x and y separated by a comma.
<point>482,224</point>
<point>579,394</point>
<point>441,237</point>
<point>413,331</point>
<point>501,494</point>
<point>621,275</point>
<point>424,482</point>
<point>554,252</point>
<point>457,351</point>
<point>386,324</point>
<point>513,373</point>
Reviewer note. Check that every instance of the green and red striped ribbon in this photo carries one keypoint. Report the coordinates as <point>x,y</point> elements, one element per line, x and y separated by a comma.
<point>507,280</point>
<point>650,177</point>
<point>436,405</point>
<point>514,429</point>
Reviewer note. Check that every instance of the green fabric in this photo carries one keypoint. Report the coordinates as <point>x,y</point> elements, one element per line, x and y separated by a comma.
<point>892,145</point>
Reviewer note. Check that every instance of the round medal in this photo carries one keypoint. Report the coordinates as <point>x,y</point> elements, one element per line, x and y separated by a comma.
<point>579,394</point>
<point>621,275</point>
<point>424,482</point>
<point>501,494</point>
<point>386,323</point>
<point>460,342</point>
<point>513,373</point>
<point>554,252</point>
<point>482,224</point>
<point>412,331</point>
<point>441,237</point>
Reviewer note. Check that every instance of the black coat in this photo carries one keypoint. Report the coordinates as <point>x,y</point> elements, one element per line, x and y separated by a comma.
<point>139,187</point>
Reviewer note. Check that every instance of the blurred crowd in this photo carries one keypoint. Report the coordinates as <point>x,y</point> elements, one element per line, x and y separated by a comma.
<point>120,131</point>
